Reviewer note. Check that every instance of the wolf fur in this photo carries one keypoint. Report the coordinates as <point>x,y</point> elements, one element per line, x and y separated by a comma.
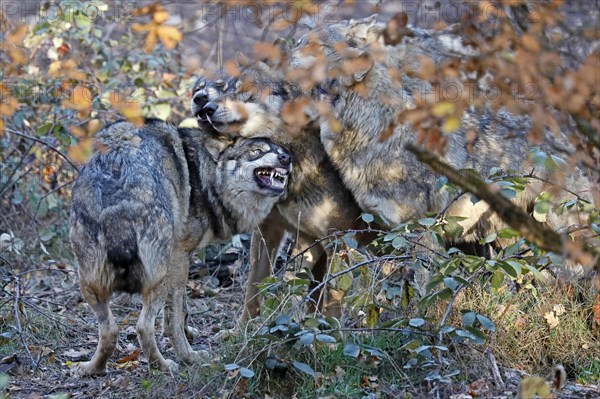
<point>146,199</point>
<point>365,99</point>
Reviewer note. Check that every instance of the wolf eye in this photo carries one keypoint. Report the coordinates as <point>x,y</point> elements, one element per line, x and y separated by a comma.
<point>223,85</point>
<point>256,151</point>
<point>200,85</point>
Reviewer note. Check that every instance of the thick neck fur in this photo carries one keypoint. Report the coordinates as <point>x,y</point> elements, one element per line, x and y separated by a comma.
<point>214,202</point>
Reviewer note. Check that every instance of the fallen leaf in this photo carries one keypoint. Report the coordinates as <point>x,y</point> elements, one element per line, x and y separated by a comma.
<point>551,319</point>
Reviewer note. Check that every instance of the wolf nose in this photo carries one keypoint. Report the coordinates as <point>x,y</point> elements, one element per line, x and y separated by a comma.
<point>284,159</point>
<point>210,108</point>
<point>200,98</point>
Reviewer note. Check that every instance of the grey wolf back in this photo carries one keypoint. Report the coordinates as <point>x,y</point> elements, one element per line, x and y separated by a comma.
<point>147,198</point>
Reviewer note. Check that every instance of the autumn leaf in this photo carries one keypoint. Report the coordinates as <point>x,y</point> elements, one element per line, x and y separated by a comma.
<point>80,153</point>
<point>451,124</point>
<point>150,41</point>
<point>169,36</point>
<point>80,99</point>
<point>16,36</point>
<point>442,109</point>
<point>132,111</point>
<point>9,106</point>
<point>131,357</point>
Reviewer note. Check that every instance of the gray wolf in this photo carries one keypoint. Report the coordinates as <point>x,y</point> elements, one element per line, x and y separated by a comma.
<point>368,87</point>
<point>363,97</point>
<point>146,199</point>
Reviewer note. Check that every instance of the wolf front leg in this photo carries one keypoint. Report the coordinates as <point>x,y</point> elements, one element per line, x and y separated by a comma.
<point>263,250</point>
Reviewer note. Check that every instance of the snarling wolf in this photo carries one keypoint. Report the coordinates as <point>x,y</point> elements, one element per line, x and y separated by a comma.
<point>149,197</point>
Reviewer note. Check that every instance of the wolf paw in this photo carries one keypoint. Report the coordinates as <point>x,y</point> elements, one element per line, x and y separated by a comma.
<point>190,333</point>
<point>169,366</point>
<point>89,369</point>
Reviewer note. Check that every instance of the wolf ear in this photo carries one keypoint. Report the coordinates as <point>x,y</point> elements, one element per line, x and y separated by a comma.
<point>215,145</point>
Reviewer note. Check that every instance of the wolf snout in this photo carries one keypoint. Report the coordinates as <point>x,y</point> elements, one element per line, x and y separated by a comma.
<point>284,159</point>
<point>200,98</point>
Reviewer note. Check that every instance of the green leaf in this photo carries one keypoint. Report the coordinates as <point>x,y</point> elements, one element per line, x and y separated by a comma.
<point>468,318</point>
<point>283,319</point>
<point>351,350</point>
<point>508,233</point>
<point>497,279</point>
<point>350,242</point>
<point>246,373</point>
<point>427,222</point>
<point>534,270</point>
<point>450,283</point>
<point>486,323</point>
<point>146,384</point>
<point>367,217</point>
<point>453,230</point>
<point>509,269</point>
<point>400,242</point>
<point>416,322</point>
<point>440,183</point>
<point>508,193</point>
<point>490,238</point>
<point>45,128</point>
<point>327,339</point>
<point>305,368</point>
<point>231,367</point>
<point>307,338</point>
<point>537,157</point>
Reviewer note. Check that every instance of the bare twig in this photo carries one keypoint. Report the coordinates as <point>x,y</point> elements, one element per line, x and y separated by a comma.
<point>531,229</point>
<point>333,276</point>
<point>18,321</point>
<point>445,316</point>
<point>59,152</point>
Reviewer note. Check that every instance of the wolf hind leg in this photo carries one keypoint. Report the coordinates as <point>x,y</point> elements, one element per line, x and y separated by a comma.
<point>154,300</point>
<point>107,330</point>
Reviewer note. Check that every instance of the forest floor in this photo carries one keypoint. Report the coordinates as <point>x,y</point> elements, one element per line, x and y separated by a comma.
<point>59,331</point>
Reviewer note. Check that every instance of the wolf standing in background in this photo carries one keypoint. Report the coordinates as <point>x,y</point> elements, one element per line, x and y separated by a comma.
<point>144,202</point>
<point>365,99</point>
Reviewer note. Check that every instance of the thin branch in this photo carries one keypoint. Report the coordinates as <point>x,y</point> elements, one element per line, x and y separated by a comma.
<point>333,276</point>
<point>46,144</point>
<point>18,321</point>
<point>445,316</point>
<point>531,229</point>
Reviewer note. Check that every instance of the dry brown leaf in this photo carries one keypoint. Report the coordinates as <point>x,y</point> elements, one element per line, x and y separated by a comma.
<point>169,36</point>
<point>16,36</point>
<point>596,311</point>
<point>8,106</point>
<point>131,357</point>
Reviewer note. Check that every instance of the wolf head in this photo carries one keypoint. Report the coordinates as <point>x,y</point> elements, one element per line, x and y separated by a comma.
<point>252,176</point>
<point>255,165</point>
<point>249,105</point>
